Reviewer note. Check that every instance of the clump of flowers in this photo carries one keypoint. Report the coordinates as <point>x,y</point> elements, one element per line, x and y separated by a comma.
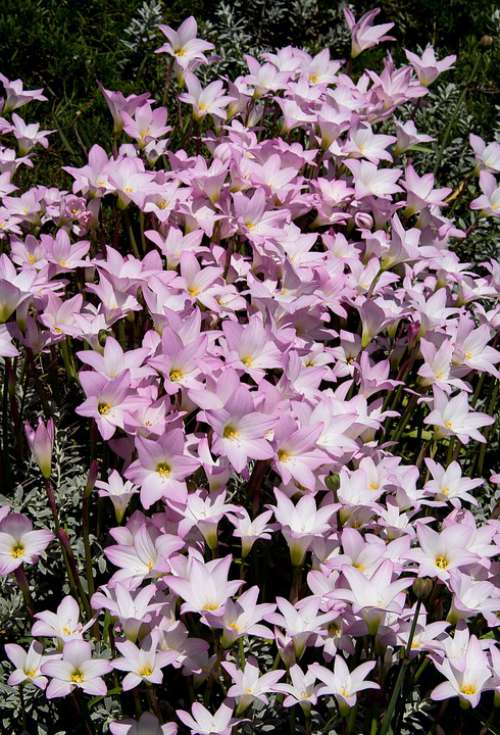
<point>280,365</point>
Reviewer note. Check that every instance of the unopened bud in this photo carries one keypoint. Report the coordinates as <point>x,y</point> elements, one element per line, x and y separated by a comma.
<point>486,41</point>
<point>422,587</point>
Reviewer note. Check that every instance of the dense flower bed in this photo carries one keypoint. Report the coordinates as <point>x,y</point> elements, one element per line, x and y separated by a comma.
<point>283,366</point>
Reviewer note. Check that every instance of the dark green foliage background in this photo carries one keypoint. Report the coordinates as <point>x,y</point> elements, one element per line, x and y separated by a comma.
<point>66,45</point>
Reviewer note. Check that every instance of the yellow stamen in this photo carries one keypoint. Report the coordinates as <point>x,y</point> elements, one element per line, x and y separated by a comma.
<point>468,689</point>
<point>175,375</point>
<point>442,561</point>
<point>145,670</point>
<point>283,455</point>
<point>77,677</point>
<point>17,550</point>
<point>164,469</point>
<point>104,408</point>
<point>210,606</point>
<point>230,432</point>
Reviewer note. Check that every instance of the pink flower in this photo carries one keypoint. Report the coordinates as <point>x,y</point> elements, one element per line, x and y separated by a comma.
<point>487,154</point>
<point>249,685</point>
<point>427,67</point>
<point>27,664</point>
<point>118,491</point>
<point>19,543</point>
<point>133,609</point>
<point>162,467</point>
<point>342,683</point>
<point>108,402</point>
<point>375,596</point>
<point>372,181</point>
<point>147,724</point>
<point>303,689</point>
<point>439,553</point>
<point>449,485</point>
<point>63,624</point>
<point>452,416</point>
<point>242,617</point>
<point>205,588</point>
<point>469,679</point>
<point>250,530</point>
<point>143,663</point>
<point>301,523</point>
<point>364,34</point>
<point>203,722</point>
<point>296,455</point>
<point>76,669</point>
<point>240,430</point>
<point>183,45</point>
<point>208,101</point>
<point>489,201</point>
<point>16,96</point>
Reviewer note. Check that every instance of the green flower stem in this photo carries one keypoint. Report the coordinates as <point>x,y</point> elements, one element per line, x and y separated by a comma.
<point>22,581</point>
<point>87,492</point>
<point>401,676</point>
<point>67,552</point>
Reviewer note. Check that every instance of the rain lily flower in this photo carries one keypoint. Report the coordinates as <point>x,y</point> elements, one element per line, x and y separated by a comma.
<point>143,663</point>
<point>427,67</point>
<point>373,597</point>
<point>76,669</point>
<point>344,685</point>
<point>183,45</point>
<point>301,523</point>
<point>19,543</point>
<point>449,485</point>
<point>242,617</point>
<point>27,664</point>
<point>208,101</point>
<point>440,552</point>
<point>16,96</point>
<point>469,679</point>
<point>240,430</point>
<point>203,722</point>
<point>206,588</point>
<point>147,724</point>
<point>303,689</point>
<point>162,467</point>
<point>250,530</point>
<point>63,624</point>
<point>364,34</point>
<point>249,685</point>
<point>452,416</point>
<point>118,491</point>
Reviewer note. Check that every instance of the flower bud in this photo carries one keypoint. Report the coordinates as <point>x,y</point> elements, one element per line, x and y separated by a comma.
<point>41,443</point>
<point>486,41</point>
<point>422,587</point>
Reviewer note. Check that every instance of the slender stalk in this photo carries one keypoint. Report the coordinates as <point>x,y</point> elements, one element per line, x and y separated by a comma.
<point>131,236</point>
<point>5,424</point>
<point>67,552</point>
<point>296,583</point>
<point>404,418</point>
<point>401,675</point>
<point>22,581</point>
<point>91,478</point>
